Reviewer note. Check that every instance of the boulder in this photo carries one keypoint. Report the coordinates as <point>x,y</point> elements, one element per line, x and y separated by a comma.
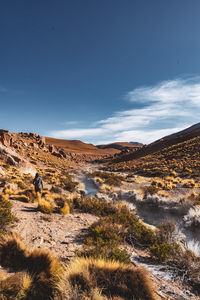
<point>34,145</point>
<point>55,153</point>
<point>62,153</point>
<point>2,171</point>
<point>52,148</point>
<point>10,160</point>
<point>6,139</point>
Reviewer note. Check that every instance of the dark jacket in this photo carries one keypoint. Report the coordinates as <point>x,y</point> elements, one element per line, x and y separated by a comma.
<point>38,183</point>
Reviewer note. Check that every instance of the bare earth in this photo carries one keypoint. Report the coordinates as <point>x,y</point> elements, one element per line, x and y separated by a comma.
<point>61,234</point>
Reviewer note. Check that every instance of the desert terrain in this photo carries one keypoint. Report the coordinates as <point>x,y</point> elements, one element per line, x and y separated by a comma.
<point>116,221</point>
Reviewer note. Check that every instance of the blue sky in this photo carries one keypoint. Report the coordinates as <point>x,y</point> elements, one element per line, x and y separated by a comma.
<point>99,70</point>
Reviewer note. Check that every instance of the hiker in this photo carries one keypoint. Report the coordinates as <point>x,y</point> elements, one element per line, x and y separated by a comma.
<point>38,183</point>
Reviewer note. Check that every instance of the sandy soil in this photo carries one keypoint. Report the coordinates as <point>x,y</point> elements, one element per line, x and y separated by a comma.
<point>61,234</point>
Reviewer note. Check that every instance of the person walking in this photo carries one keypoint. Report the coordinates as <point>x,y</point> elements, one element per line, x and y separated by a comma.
<point>38,183</point>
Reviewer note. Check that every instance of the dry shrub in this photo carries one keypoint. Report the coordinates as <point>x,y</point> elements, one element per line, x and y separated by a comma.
<point>188,183</point>
<point>165,247</point>
<point>95,206</point>
<point>64,204</point>
<point>119,224</point>
<point>168,183</point>
<point>108,178</point>
<point>65,210</point>
<point>103,241</point>
<point>112,278</point>
<point>45,206</point>
<point>45,270</point>
<point>21,184</point>
<point>49,203</point>
<point>150,190</point>
<point>164,194</point>
<point>8,191</point>
<point>16,286</point>
<point>6,216</point>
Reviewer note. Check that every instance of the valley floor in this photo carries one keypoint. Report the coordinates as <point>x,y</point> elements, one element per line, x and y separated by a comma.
<point>64,234</point>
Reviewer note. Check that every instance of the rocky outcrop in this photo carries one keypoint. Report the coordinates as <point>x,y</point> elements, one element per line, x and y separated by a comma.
<point>21,142</point>
<point>6,138</point>
<point>10,157</point>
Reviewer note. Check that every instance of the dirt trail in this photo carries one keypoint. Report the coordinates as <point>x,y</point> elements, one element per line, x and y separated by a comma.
<point>61,234</point>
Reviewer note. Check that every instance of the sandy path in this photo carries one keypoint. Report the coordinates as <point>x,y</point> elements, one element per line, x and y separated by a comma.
<point>58,233</point>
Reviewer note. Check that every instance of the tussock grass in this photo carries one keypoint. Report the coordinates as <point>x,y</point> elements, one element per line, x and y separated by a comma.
<point>8,191</point>
<point>111,279</point>
<point>44,270</point>
<point>16,286</point>
<point>65,210</point>
<point>181,159</point>
<point>189,183</point>
<point>108,178</point>
<point>6,216</point>
<point>45,206</point>
<point>192,219</point>
<point>21,184</point>
<point>52,203</point>
<point>95,206</point>
<point>194,247</point>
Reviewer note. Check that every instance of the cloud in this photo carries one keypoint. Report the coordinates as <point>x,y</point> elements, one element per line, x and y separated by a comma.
<point>166,108</point>
<point>171,91</point>
<point>76,133</point>
<point>71,123</point>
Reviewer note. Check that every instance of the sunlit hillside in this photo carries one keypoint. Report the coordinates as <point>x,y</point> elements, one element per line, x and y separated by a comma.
<point>178,156</point>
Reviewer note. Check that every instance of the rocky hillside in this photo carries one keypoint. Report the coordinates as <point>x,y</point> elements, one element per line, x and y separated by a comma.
<point>176,155</point>
<point>33,147</point>
<point>165,142</point>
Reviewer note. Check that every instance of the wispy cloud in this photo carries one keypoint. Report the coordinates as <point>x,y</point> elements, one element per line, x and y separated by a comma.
<point>71,123</point>
<point>168,107</point>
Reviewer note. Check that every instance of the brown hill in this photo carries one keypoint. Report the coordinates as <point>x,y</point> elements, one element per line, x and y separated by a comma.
<point>120,146</point>
<point>165,142</point>
<point>77,146</point>
<point>176,155</point>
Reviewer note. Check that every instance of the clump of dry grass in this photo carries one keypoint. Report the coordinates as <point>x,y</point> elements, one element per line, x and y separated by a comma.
<point>16,286</point>
<point>44,270</point>
<point>21,184</point>
<point>50,203</point>
<point>6,216</point>
<point>95,206</point>
<point>65,210</point>
<point>8,191</point>
<point>192,219</point>
<point>45,206</point>
<point>107,178</point>
<point>167,183</point>
<point>110,279</point>
<point>189,183</point>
